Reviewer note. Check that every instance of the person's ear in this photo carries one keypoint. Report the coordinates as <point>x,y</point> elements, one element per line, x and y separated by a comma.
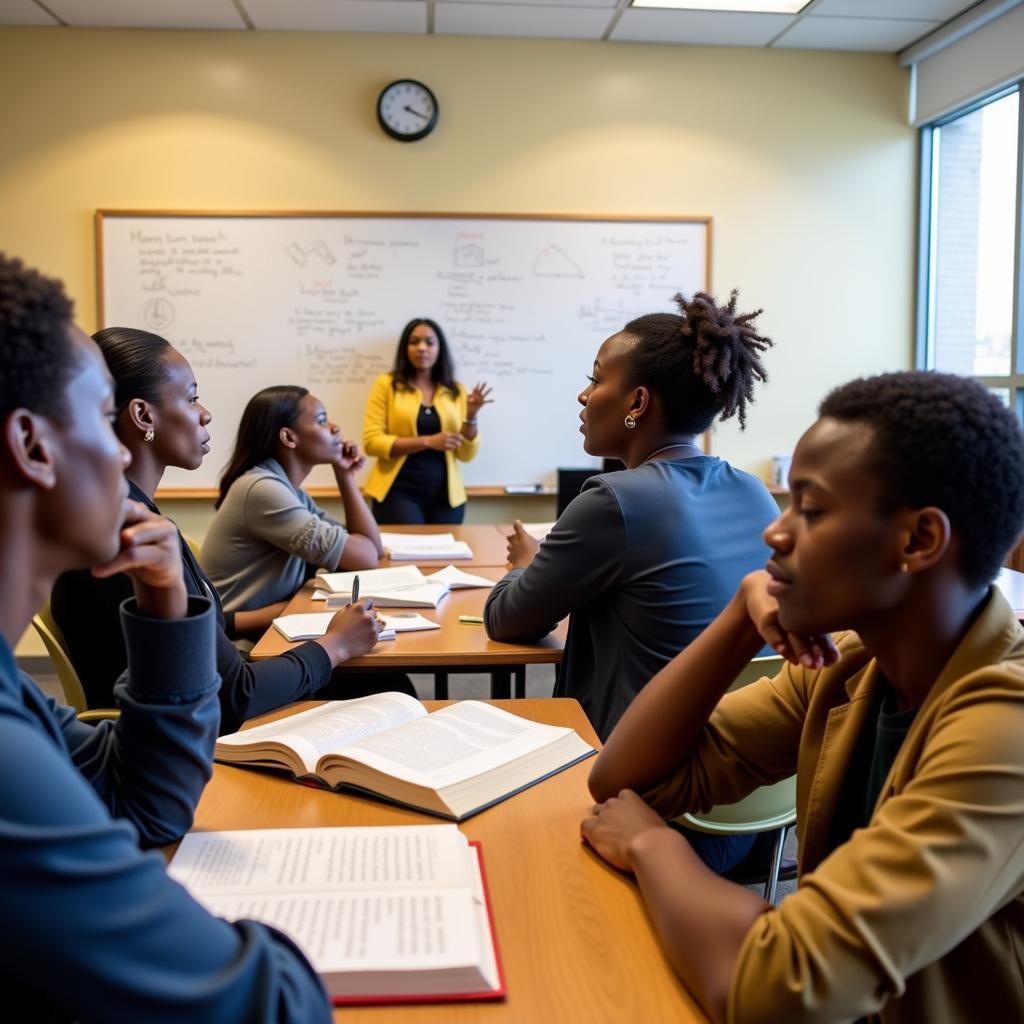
<point>640,402</point>
<point>31,445</point>
<point>288,437</point>
<point>141,416</point>
<point>924,539</point>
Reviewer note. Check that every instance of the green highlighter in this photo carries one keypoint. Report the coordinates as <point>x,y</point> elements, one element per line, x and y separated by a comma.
<point>472,619</point>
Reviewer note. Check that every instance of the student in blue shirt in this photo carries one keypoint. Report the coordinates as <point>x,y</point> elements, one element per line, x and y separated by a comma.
<point>93,927</point>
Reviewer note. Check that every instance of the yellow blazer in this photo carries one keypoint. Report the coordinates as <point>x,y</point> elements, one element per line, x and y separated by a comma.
<point>919,917</point>
<point>390,414</point>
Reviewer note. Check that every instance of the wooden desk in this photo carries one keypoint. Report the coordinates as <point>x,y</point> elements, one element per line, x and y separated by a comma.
<point>488,545</point>
<point>456,645</point>
<point>575,940</point>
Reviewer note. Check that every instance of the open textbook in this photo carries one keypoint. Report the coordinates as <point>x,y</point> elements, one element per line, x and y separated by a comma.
<point>386,914</point>
<point>403,586</point>
<point>310,625</point>
<point>452,763</point>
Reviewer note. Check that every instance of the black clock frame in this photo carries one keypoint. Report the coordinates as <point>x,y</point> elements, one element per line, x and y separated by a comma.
<point>426,129</point>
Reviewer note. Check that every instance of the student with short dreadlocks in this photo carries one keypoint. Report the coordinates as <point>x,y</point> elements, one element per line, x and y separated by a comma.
<point>646,557</point>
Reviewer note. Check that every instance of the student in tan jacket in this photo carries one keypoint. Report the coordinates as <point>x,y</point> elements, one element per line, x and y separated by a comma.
<point>904,734</point>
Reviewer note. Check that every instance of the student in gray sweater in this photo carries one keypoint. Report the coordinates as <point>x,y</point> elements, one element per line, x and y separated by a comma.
<point>268,532</point>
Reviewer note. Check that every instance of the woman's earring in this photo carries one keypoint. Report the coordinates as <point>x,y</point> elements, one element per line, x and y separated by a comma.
<point>630,421</point>
<point>148,435</point>
<point>904,567</point>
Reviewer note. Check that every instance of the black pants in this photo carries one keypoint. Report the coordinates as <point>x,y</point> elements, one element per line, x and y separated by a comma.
<point>405,510</point>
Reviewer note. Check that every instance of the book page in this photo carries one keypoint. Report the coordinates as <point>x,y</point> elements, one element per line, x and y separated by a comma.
<point>367,931</point>
<point>288,860</point>
<point>331,726</point>
<point>455,743</point>
<point>371,580</point>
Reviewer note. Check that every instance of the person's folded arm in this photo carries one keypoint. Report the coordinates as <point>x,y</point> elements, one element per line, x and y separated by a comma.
<point>94,924</point>
<point>582,557</point>
<point>939,858</point>
<point>150,766</point>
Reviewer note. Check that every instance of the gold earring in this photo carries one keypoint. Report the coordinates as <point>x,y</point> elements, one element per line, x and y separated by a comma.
<point>630,421</point>
<point>904,567</point>
<point>148,435</point>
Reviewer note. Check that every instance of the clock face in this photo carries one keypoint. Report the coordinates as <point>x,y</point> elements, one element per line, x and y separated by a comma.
<point>407,110</point>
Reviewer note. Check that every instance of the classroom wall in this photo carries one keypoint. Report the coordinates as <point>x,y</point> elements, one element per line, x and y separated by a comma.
<point>803,159</point>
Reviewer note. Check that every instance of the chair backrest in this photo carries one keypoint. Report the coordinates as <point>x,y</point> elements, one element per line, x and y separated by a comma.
<point>53,639</point>
<point>570,483</point>
<point>193,545</point>
<point>757,668</point>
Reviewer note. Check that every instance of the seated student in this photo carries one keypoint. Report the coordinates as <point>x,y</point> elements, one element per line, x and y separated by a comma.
<point>646,557</point>
<point>93,927</point>
<point>161,421</point>
<point>904,734</point>
<point>267,529</point>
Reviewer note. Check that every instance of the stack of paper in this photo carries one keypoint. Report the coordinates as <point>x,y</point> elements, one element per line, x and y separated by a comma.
<point>538,530</point>
<point>311,625</point>
<point>457,579</point>
<point>419,547</point>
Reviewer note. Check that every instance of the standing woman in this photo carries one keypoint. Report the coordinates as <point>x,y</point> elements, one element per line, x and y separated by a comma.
<point>161,422</point>
<point>418,421</point>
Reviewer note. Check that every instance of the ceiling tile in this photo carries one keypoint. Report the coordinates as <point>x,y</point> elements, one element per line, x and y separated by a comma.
<point>884,35</point>
<point>24,12</point>
<point>146,14</point>
<point>929,10</point>
<point>711,28</point>
<point>338,15</point>
<point>512,20</point>
<point>541,3</point>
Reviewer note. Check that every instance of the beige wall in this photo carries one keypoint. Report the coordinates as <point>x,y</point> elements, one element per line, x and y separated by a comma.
<point>803,159</point>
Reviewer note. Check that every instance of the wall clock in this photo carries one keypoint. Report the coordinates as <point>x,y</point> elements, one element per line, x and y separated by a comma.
<point>407,110</point>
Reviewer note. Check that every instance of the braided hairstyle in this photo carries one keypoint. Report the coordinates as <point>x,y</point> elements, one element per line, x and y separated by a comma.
<point>701,363</point>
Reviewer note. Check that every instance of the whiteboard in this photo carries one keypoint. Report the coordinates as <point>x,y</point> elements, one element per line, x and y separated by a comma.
<point>255,299</point>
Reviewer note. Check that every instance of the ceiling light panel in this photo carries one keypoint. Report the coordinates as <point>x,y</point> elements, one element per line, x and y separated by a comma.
<point>741,6</point>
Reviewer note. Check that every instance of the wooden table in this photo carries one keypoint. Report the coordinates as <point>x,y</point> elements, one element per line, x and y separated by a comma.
<point>574,937</point>
<point>486,541</point>
<point>456,645</point>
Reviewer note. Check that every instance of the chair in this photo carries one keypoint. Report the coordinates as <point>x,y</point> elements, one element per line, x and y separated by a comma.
<point>570,483</point>
<point>767,809</point>
<point>193,545</point>
<point>48,630</point>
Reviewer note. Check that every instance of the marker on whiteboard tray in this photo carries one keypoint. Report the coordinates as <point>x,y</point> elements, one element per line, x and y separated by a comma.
<point>523,488</point>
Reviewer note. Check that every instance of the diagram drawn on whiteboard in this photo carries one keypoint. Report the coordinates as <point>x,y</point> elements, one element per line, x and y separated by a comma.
<point>468,255</point>
<point>157,314</point>
<point>300,254</point>
<point>554,261</point>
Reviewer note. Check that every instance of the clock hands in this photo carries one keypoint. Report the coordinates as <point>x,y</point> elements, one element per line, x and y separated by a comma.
<point>418,113</point>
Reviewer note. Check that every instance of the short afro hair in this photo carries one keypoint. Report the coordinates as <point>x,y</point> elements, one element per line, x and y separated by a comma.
<point>36,354</point>
<point>944,441</point>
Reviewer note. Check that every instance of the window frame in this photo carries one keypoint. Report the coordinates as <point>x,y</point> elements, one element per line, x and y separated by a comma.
<point>924,347</point>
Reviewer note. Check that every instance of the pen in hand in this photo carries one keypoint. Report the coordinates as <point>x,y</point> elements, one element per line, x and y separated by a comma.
<point>355,589</point>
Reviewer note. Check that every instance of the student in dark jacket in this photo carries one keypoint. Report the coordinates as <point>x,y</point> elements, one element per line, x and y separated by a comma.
<point>161,421</point>
<point>93,928</point>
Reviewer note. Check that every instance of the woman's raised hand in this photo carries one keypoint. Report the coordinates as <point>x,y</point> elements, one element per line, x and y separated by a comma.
<point>477,399</point>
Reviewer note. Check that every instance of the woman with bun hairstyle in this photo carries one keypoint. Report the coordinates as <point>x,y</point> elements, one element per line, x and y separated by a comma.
<point>420,423</point>
<point>161,421</point>
<point>644,558</point>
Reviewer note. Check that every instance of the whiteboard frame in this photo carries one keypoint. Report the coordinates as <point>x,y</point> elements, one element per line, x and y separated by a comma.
<point>327,492</point>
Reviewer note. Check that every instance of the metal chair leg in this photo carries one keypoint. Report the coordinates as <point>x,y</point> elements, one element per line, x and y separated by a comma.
<point>771,885</point>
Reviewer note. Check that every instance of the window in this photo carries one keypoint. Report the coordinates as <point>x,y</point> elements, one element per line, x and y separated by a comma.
<point>970,276</point>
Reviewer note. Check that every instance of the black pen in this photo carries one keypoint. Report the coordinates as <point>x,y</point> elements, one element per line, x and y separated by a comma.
<point>355,589</point>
